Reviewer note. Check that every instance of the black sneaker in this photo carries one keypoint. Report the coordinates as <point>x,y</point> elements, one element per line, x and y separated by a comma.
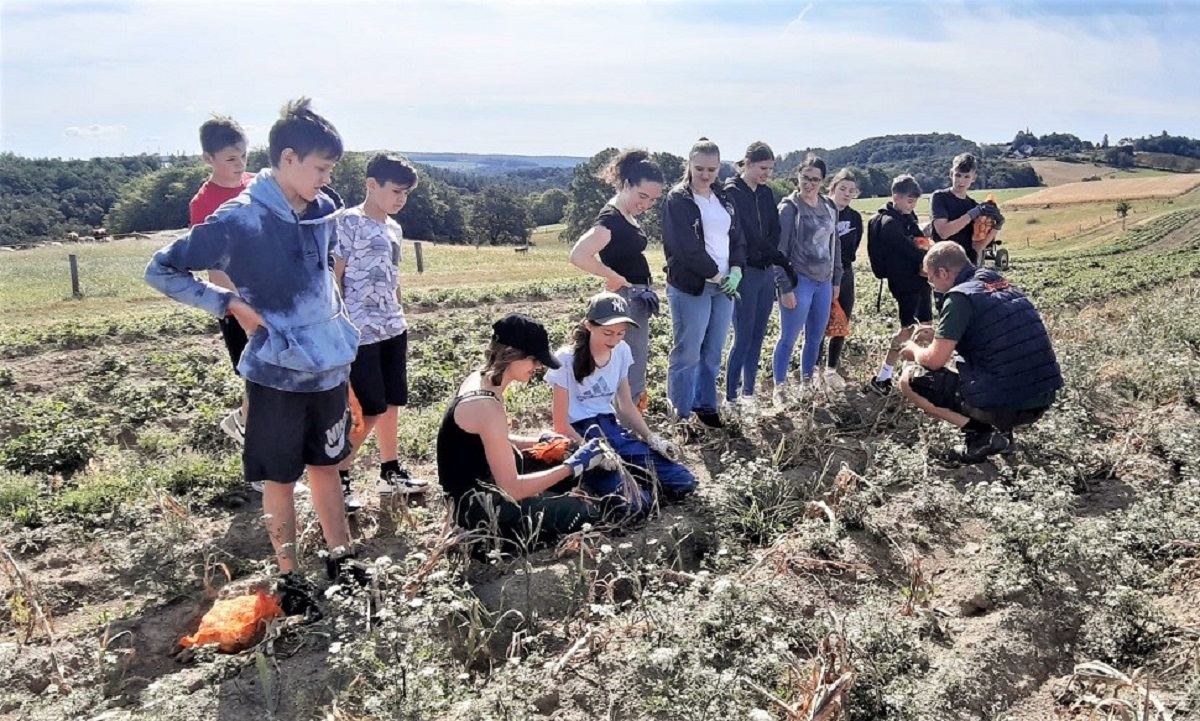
<point>353,505</point>
<point>979,445</point>
<point>348,570</point>
<point>1011,448</point>
<point>709,419</point>
<point>400,483</point>
<point>879,388</point>
<point>297,596</point>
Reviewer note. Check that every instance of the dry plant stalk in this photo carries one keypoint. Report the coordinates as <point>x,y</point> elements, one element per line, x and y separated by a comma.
<point>456,538</point>
<point>821,688</point>
<point>39,617</point>
<point>918,594</point>
<point>1100,687</point>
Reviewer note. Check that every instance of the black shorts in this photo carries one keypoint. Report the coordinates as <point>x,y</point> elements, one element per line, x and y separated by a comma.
<point>235,339</point>
<point>914,306</point>
<point>942,388</point>
<point>287,431</point>
<point>379,375</point>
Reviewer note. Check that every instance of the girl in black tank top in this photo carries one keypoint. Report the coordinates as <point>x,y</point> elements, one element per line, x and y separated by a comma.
<point>517,506</point>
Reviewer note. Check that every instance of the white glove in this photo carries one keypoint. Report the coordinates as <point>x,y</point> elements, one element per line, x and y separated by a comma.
<point>661,446</point>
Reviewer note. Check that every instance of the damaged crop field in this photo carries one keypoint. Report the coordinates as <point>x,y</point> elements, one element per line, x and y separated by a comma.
<point>830,567</point>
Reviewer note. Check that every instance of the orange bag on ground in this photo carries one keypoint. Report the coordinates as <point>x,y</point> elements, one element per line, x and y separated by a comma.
<point>358,429</point>
<point>235,624</point>
<point>839,322</point>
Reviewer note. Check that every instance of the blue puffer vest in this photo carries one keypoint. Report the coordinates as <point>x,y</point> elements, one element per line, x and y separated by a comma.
<point>1007,351</point>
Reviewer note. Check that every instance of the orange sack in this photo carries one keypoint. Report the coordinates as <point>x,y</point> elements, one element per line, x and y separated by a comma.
<point>235,624</point>
<point>839,322</point>
<point>554,450</point>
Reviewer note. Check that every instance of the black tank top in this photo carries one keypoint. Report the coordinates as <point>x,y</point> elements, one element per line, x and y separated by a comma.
<point>462,462</point>
<point>626,249</point>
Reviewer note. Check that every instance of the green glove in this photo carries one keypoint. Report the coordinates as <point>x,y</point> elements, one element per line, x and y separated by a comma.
<point>730,284</point>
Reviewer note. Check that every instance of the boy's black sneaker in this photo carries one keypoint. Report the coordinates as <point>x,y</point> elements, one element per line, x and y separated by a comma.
<point>709,419</point>
<point>347,570</point>
<point>880,388</point>
<point>400,482</point>
<point>353,505</point>
<point>979,445</point>
<point>297,596</point>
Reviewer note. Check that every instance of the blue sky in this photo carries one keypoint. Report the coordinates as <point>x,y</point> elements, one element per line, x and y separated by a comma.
<point>82,78</point>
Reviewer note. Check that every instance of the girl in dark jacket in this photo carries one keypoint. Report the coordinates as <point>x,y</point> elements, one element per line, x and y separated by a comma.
<point>843,188</point>
<point>758,219</point>
<point>705,259</point>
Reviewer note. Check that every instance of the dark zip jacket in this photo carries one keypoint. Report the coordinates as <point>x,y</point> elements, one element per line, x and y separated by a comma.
<point>890,234</point>
<point>1007,355</point>
<point>688,263</point>
<point>759,220</point>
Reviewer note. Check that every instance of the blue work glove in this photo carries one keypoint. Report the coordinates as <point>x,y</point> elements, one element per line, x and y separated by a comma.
<point>647,296</point>
<point>992,211</point>
<point>589,455</point>
<point>731,281</point>
<point>975,212</point>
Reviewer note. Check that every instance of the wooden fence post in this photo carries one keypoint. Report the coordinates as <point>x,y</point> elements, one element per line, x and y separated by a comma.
<point>75,291</point>
<point>420,256</point>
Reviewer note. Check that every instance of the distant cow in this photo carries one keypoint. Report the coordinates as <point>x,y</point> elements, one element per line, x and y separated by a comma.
<point>99,233</point>
<point>73,237</point>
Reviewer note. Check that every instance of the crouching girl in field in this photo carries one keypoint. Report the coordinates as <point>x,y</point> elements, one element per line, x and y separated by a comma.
<point>592,400</point>
<point>495,487</point>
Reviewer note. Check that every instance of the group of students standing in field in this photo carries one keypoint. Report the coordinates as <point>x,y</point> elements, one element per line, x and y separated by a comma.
<point>309,299</point>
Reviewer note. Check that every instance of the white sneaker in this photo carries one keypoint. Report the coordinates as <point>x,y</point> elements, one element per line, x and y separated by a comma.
<point>834,381</point>
<point>300,488</point>
<point>401,484</point>
<point>748,404</point>
<point>234,426</point>
<point>779,396</point>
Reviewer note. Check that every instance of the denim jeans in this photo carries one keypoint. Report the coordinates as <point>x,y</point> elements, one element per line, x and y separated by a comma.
<point>645,465</point>
<point>700,323</point>
<point>811,314</point>
<point>750,316</point>
<point>638,340</point>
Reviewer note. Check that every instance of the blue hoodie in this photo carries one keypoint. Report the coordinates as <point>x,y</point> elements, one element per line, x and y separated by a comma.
<point>280,264</point>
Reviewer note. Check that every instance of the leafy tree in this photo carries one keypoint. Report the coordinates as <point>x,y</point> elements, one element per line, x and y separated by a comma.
<point>157,200</point>
<point>548,207</point>
<point>434,212</point>
<point>499,216</point>
<point>1123,209</point>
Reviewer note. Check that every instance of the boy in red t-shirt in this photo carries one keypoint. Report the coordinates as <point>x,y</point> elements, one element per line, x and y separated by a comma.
<point>224,144</point>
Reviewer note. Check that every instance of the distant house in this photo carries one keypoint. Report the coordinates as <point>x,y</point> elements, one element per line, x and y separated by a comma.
<point>164,161</point>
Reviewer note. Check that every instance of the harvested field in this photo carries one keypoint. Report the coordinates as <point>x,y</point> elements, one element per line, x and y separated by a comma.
<point>1167,186</point>
<point>1058,172</point>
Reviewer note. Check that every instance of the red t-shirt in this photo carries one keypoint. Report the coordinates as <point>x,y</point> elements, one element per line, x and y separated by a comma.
<point>211,196</point>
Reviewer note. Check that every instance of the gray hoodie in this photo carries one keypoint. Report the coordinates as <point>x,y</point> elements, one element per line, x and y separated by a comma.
<point>280,264</point>
<point>808,237</point>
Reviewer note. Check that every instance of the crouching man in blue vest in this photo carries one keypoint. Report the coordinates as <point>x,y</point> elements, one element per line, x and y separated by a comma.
<point>1007,375</point>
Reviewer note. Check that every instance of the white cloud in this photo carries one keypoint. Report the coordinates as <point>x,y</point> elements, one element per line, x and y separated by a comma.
<point>95,132</point>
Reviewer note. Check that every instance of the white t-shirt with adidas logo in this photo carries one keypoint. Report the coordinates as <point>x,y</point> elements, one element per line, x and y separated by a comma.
<point>594,396</point>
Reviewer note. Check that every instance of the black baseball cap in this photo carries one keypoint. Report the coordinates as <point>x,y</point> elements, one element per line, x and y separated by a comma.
<point>517,330</point>
<point>609,309</point>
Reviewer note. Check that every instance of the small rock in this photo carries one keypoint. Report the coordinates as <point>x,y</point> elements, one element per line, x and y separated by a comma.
<point>976,605</point>
<point>547,703</point>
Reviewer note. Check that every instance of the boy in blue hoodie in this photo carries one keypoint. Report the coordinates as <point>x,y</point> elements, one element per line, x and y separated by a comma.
<point>274,242</point>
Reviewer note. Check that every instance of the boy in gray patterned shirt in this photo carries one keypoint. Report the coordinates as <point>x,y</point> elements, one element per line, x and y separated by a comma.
<point>367,265</point>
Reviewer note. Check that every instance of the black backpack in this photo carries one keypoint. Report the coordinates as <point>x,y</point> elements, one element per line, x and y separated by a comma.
<point>875,252</point>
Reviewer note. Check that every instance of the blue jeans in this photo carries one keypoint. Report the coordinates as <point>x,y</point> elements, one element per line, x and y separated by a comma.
<point>750,316</point>
<point>638,340</point>
<point>813,302</point>
<point>700,323</point>
<point>644,464</point>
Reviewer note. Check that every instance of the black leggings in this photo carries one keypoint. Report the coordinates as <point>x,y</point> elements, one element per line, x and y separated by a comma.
<point>846,299</point>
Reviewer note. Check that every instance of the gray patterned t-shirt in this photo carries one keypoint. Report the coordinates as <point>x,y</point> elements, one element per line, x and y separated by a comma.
<point>371,251</point>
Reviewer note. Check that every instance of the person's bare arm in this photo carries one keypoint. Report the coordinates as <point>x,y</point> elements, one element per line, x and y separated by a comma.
<point>933,356</point>
<point>585,256</point>
<point>562,424</point>
<point>489,421</point>
<point>628,413</point>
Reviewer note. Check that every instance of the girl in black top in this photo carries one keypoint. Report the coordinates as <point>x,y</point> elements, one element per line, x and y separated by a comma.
<point>479,461</point>
<point>843,188</point>
<point>621,243</point>
<point>758,217</point>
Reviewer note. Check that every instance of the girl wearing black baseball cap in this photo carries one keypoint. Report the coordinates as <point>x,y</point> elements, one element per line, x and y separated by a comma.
<point>480,465</point>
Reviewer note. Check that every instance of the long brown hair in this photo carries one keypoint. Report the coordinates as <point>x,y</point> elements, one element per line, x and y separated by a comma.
<point>497,359</point>
<point>583,364</point>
